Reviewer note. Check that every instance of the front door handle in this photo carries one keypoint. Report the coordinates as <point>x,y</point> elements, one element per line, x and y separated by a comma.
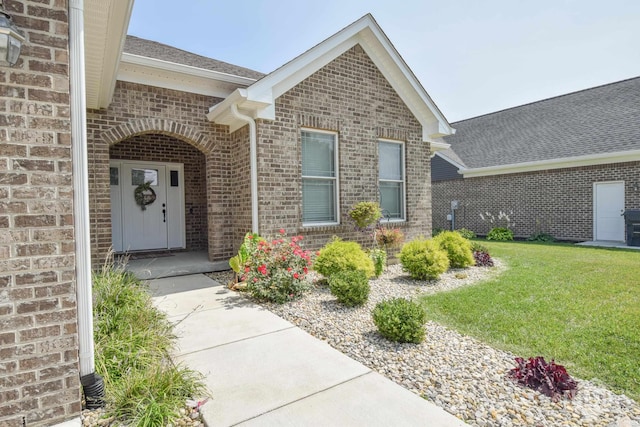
<point>164,213</point>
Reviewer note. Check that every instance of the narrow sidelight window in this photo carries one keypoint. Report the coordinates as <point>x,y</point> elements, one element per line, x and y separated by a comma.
<point>319,178</point>
<point>392,179</point>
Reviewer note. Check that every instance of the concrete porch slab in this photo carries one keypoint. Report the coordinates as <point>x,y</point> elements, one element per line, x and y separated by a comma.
<point>177,264</point>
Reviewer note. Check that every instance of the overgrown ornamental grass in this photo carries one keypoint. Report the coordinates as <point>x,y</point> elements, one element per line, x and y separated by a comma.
<point>132,344</point>
<point>578,305</point>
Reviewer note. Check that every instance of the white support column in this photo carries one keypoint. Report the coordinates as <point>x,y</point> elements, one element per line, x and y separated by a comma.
<point>81,187</point>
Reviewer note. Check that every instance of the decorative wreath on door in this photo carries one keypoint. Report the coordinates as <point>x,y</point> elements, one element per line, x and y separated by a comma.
<point>144,195</point>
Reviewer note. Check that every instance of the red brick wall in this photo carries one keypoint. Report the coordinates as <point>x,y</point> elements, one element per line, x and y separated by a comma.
<point>39,378</point>
<point>146,110</point>
<point>349,96</point>
<point>163,148</point>
<point>558,202</point>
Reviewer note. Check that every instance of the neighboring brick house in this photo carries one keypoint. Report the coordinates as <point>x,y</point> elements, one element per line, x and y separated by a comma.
<point>227,150</point>
<point>567,166</point>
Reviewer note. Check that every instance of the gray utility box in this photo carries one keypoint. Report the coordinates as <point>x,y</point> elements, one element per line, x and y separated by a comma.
<point>632,223</point>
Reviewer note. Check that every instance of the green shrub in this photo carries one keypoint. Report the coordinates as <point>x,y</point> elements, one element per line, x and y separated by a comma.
<point>541,237</point>
<point>339,255</point>
<point>466,233</point>
<point>479,247</point>
<point>379,258</point>
<point>424,259</point>
<point>400,320</point>
<point>500,234</point>
<point>351,288</point>
<point>458,249</point>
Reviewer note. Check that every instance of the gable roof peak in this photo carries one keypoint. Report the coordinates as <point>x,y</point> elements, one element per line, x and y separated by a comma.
<point>258,100</point>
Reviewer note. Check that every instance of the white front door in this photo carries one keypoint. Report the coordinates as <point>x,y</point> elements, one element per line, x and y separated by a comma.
<point>608,205</point>
<point>154,221</point>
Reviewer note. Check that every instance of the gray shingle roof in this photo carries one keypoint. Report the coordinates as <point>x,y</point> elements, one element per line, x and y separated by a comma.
<point>592,121</point>
<point>151,49</point>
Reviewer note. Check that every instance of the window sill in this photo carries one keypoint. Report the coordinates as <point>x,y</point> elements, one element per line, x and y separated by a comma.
<point>321,228</point>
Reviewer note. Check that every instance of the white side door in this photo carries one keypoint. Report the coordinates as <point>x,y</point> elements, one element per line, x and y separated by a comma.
<point>608,205</point>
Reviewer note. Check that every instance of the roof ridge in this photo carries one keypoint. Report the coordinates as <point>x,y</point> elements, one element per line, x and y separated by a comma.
<point>546,99</point>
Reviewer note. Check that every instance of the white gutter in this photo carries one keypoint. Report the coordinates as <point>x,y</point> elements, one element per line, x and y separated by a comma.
<point>254,164</point>
<point>561,163</point>
<point>80,186</point>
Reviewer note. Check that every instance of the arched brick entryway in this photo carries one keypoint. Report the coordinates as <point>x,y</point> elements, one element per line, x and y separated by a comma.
<point>206,165</point>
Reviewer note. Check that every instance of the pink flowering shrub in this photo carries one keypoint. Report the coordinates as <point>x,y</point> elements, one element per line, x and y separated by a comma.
<point>277,269</point>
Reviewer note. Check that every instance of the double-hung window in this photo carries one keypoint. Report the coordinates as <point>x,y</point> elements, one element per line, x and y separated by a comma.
<point>319,178</point>
<point>391,179</point>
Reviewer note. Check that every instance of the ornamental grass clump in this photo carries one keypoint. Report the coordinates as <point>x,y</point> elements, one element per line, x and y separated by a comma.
<point>400,320</point>
<point>133,341</point>
<point>277,269</point>
<point>338,255</point>
<point>350,288</point>
<point>458,249</point>
<point>424,259</point>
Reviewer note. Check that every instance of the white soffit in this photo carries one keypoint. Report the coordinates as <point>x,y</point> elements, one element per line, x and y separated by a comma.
<point>170,75</point>
<point>563,163</point>
<point>370,37</point>
<point>106,23</point>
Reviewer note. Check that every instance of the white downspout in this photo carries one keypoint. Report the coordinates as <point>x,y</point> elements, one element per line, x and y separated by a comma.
<point>91,383</point>
<point>253,163</point>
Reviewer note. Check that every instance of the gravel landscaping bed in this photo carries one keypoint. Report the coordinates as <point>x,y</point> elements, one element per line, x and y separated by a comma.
<point>462,375</point>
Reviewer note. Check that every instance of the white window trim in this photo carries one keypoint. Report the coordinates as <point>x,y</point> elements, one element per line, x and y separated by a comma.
<point>403,181</point>
<point>336,178</point>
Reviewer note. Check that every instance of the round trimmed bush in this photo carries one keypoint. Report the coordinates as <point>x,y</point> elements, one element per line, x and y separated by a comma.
<point>424,259</point>
<point>339,255</point>
<point>351,288</point>
<point>458,249</point>
<point>400,320</point>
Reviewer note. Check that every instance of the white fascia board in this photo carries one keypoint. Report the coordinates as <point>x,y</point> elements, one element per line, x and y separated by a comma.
<point>563,163</point>
<point>176,81</point>
<point>438,146</point>
<point>158,64</point>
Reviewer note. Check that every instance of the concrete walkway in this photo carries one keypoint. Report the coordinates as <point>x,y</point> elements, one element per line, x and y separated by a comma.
<point>263,371</point>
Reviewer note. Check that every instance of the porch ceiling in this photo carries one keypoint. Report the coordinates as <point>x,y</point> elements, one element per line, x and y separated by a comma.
<point>106,24</point>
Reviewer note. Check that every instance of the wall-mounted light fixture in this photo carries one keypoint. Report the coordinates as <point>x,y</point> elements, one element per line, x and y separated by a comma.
<point>11,40</point>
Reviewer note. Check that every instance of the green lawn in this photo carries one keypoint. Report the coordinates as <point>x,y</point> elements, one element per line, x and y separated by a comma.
<point>577,305</point>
